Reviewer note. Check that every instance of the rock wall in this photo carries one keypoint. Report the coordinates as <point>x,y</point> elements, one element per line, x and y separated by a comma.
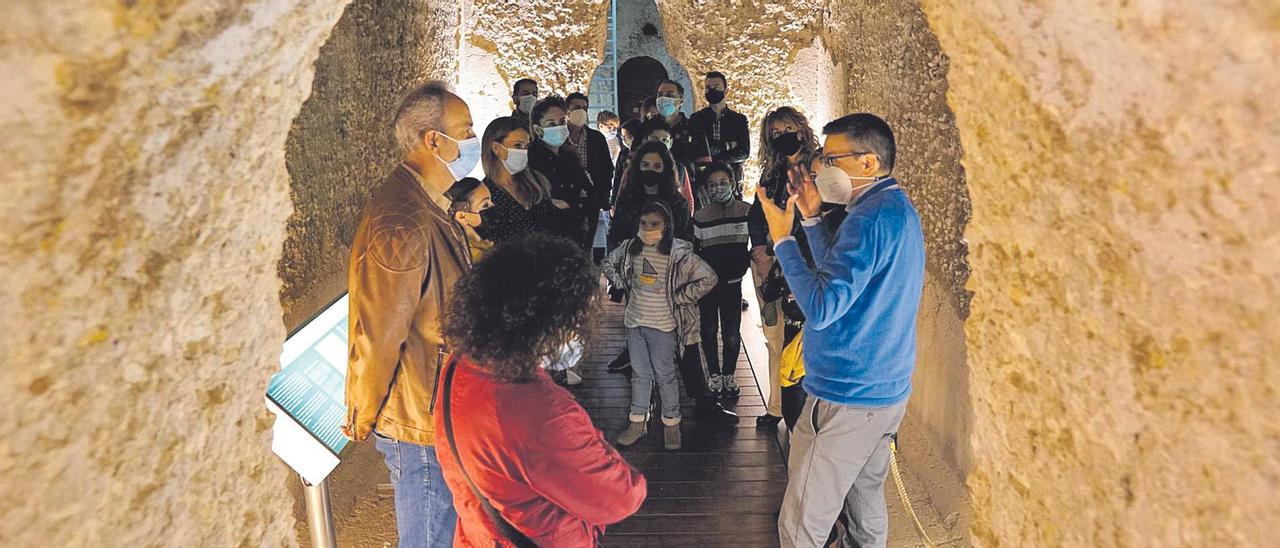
<point>754,46</point>
<point>818,82</point>
<point>146,200</point>
<point>1122,161</point>
<point>556,42</point>
<point>341,146</point>
<point>1115,383</point>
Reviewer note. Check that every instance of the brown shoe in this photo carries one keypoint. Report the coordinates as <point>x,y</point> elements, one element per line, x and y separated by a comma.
<point>633,433</point>
<point>671,434</point>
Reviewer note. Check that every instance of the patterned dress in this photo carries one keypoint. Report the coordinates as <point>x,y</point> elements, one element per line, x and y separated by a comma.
<point>508,219</point>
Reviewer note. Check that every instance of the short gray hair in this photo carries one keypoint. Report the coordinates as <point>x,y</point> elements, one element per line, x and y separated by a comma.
<point>422,110</point>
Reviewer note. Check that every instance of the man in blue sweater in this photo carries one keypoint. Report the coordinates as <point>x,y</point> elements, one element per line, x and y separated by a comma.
<point>860,300</point>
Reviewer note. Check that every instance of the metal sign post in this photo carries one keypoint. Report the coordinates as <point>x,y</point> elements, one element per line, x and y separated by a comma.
<point>307,398</point>
<point>319,514</point>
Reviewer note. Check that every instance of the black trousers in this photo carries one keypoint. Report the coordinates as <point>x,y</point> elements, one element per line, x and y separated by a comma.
<point>590,224</point>
<point>793,398</point>
<point>691,372</point>
<point>575,226</point>
<point>722,308</point>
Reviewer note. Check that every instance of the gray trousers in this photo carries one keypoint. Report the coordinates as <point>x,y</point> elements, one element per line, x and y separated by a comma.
<point>653,359</point>
<point>839,459</point>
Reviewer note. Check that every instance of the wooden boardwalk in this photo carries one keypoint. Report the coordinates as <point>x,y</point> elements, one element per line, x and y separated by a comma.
<point>722,488</point>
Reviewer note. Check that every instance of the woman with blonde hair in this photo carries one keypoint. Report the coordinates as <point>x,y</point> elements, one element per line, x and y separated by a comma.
<point>521,197</point>
<point>786,139</point>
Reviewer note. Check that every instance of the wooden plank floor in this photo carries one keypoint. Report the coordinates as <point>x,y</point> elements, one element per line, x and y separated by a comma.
<point>722,488</point>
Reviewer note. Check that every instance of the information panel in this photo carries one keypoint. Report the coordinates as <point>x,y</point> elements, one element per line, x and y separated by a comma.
<point>307,395</point>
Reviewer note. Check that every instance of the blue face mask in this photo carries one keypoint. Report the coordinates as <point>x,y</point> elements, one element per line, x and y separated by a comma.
<point>555,135</point>
<point>468,157</point>
<point>667,105</point>
<point>570,354</point>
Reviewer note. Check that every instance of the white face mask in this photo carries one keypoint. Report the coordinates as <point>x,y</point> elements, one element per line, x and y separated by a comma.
<point>517,159</point>
<point>836,187</point>
<point>578,117</point>
<point>570,354</point>
<point>526,102</point>
<point>555,135</point>
<point>468,156</point>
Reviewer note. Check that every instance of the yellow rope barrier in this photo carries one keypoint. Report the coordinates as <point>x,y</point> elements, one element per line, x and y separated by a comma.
<point>902,492</point>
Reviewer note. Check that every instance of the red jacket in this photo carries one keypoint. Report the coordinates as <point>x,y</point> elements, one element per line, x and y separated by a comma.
<point>533,451</point>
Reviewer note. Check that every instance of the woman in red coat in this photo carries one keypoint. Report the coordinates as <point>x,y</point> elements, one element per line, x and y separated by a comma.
<point>521,457</point>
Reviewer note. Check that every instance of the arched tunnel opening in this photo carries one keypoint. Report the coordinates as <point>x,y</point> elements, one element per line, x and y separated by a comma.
<point>183,183</point>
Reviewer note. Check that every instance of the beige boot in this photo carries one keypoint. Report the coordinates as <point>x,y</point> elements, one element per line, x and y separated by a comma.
<point>671,433</point>
<point>635,430</point>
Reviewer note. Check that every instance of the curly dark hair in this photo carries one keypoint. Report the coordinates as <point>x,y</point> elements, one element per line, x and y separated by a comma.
<point>522,303</point>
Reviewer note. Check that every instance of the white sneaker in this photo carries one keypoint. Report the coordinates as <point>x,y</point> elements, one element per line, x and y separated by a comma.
<point>730,385</point>
<point>572,379</point>
<point>714,384</point>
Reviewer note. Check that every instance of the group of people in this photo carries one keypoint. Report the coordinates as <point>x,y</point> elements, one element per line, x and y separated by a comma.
<point>471,303</point>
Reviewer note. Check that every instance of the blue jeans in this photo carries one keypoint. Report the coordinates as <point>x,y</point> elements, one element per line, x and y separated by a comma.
<point>653,359</point>
<point>424,506</point>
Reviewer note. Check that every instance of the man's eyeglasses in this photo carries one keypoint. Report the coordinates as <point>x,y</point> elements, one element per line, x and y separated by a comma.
<point>830,159</point>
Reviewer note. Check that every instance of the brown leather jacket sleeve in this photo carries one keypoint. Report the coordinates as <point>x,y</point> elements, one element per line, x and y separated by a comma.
<point>386,285</point>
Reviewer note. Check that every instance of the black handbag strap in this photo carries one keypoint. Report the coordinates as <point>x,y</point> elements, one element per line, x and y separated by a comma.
<point>504,527</point>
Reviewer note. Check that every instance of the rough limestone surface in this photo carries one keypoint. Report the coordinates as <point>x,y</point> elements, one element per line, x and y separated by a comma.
<point>559,43</point>
<point>341,145</point>
<point>144,212</point>
<point>897,71</point>
<point>752,43</point>
<point>1122,161</point>
<point>484,89</point>
<point>818,82</point>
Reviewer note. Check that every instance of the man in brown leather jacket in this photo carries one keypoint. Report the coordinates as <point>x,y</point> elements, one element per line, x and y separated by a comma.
<point>405,259</point>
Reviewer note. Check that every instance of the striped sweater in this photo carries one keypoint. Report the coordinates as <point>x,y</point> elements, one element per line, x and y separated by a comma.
<point>720,237</point>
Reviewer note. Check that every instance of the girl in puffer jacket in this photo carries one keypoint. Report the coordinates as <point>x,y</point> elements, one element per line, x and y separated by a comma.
<point>663,280</point>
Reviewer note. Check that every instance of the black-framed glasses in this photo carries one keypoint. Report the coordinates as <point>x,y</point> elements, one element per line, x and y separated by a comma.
<point>830,160</point>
